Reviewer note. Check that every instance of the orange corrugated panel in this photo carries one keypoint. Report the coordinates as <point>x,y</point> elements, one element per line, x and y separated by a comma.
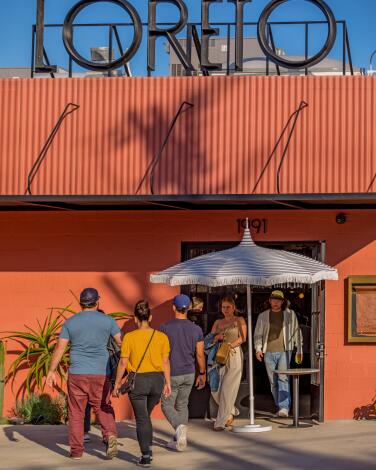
<point>220,146</point>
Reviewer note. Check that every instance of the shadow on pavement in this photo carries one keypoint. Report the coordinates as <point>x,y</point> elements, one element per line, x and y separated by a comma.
<point>330,448</point>
<point>41,435</point>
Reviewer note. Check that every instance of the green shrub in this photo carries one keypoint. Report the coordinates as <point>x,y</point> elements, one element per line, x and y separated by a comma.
<point>42,409</point>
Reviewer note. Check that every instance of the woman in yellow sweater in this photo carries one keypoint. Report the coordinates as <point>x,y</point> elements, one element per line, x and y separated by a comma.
<point>145,354</point>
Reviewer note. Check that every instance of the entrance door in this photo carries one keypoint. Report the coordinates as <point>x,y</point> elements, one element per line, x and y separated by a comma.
<point>304,301</point>
<point>318,343</point>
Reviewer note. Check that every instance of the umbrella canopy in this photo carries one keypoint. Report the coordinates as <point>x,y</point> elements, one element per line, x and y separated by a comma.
<point>247,264</point>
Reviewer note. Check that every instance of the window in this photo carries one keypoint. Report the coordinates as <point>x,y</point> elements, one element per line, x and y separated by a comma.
<point>361,291</point>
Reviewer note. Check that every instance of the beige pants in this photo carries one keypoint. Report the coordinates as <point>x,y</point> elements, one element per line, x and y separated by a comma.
<point>225,397</point>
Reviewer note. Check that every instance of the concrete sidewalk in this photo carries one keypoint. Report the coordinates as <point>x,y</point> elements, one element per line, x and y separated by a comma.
<point>342,445</point>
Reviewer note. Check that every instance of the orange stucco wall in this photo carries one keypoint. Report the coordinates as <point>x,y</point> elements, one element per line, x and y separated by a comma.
<point>44,255</point>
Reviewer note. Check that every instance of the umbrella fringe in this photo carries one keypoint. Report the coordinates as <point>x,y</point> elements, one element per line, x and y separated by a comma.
<point>176,279</point>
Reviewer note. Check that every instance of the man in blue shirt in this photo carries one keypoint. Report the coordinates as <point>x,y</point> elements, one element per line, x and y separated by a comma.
<point>88,381</point>
<point>186,342</point>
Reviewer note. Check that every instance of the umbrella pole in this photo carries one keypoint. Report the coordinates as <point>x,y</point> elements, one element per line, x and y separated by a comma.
<point>251,427</point>
<point>250,357</point>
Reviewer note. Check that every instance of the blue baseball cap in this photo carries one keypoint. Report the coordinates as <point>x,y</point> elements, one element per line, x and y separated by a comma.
<point>181,301</point>
<point>89,296</point>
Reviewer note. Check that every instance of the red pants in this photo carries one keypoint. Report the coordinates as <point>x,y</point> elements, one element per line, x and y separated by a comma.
<point>93,389</point>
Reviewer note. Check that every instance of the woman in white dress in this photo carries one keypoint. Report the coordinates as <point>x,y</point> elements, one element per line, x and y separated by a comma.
<point>232,330</point>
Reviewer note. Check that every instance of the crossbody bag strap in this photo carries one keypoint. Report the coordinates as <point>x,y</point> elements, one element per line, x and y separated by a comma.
<point>143,357</point>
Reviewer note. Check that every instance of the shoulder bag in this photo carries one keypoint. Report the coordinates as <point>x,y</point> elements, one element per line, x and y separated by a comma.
<point>223,353</point>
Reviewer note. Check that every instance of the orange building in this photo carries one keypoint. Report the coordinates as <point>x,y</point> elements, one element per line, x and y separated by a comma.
<point>108,207</point>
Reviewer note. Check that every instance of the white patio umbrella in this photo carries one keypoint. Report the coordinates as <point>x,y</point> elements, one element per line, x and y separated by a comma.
<point>251,265</point>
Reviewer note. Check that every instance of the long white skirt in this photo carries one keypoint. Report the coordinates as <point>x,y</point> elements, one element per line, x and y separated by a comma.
<point>225,397</point>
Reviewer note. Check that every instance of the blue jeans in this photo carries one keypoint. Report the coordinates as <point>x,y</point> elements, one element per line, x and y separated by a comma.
<point>279,383</point>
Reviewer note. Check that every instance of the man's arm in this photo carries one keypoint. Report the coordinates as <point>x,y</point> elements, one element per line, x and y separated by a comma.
<point>122,366</point>
<point>298,337</point>
<point>117,339</point>
<point>116,332</point>
<point>167,376</point>
<point>200,354</point>
<point>56,358</point>
<point>258,336</point>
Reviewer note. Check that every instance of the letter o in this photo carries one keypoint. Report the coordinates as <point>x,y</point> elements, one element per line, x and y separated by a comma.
<point>78,58</point>
<point>300,64</point>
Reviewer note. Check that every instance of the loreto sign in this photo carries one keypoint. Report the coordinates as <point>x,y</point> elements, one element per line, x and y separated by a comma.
<point>201,44</point>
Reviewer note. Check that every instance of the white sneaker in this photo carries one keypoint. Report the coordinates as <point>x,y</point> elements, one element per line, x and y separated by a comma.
<point>87,438</point>
<point>173,445</point>
<point>283,413</point>
<point>181,437</point>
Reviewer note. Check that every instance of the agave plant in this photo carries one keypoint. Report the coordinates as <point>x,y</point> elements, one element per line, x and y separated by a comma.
<point>38,346</point>
<point>37,349</point>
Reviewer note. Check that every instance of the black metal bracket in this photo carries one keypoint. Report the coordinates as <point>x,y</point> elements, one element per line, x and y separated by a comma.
<point>294,116</point>
<point>69,109</point>
<point>151,168</point>
<point>371,184</point>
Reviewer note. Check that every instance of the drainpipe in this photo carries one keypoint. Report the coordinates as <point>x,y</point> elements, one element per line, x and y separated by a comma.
<point>2,377</point>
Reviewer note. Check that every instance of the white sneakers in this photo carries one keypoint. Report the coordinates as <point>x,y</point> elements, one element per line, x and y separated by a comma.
<point>181,437</point>
<point>283,413</point>
<point>180,441</point>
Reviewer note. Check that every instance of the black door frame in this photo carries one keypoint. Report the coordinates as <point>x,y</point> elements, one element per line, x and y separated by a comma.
<point>317,349</point>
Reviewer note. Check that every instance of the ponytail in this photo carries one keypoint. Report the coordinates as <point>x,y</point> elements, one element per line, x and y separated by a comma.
<point>142,311</point>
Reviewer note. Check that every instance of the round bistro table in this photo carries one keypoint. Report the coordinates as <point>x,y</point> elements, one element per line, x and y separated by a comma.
<point>296,373</point>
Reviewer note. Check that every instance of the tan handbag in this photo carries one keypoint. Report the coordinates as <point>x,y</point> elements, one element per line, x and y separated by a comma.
<point>223,353</point>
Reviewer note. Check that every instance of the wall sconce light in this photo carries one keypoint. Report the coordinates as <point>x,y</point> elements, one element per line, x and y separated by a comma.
<point>341,218</point>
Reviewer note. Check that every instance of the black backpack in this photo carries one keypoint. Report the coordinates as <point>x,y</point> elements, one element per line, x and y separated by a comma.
<point>114,358</point>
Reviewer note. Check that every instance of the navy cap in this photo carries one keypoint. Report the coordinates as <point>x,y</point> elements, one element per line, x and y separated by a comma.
<point>181,301</point>
<point>89,296</point>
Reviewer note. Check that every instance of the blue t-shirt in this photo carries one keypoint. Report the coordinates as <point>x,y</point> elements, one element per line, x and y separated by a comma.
<point>183,336</point>
<point>88,333</point>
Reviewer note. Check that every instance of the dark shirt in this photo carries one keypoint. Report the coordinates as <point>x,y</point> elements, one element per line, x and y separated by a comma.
<point>275,338</point>
<point>183,336</point>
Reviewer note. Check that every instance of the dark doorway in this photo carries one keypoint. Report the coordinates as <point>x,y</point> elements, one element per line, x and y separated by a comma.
<point>304,300</point>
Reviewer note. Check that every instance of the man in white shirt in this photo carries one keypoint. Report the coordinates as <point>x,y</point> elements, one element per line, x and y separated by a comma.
<point>276,335</point>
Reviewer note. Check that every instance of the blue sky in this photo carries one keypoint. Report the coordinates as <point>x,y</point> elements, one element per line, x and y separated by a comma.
<point>18,16</point>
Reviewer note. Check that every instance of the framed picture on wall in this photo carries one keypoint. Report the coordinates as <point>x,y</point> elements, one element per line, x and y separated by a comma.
<point>361,309</point>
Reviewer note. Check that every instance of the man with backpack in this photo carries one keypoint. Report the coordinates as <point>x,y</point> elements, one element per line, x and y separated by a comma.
<point>113,361</point>
<point>187,344</point>
<point>88,333</point>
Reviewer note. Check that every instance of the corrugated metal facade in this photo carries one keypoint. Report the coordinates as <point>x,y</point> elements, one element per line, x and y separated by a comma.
<point>218,147</point>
